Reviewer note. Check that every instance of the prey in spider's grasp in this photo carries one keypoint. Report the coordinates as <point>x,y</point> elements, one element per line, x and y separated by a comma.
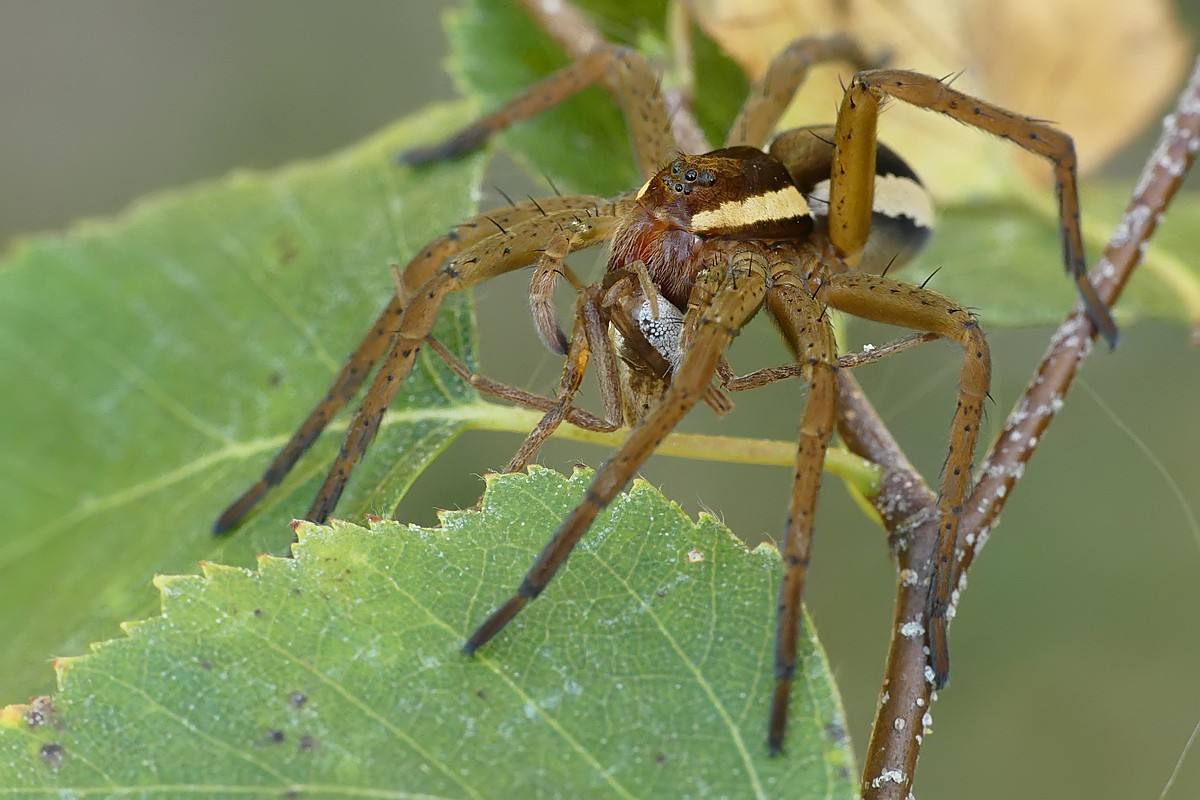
<point>792,225</point>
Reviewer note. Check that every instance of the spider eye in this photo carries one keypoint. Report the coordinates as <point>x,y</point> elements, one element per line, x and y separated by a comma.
<point>707,179</point>
<point>690,176</point>
<point>675,168</point>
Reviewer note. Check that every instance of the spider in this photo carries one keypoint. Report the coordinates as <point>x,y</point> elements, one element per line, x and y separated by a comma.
<point>795,224</point>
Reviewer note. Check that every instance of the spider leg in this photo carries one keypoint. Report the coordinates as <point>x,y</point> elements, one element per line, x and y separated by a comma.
<point>771,94</point>
<point>509,249</point>
<point>854,165</point>
<point>635,86</point>
<point>731,295</point>
<point>590,323</point>
<point>647,366</point>
<point>382,332</point>
<point>514,394</point>
<point>768,375</point>
<point>851,360</point>
<point>541,293</point>
<point>345,385</point>
<point>886,300</point>
<point>806,328</point>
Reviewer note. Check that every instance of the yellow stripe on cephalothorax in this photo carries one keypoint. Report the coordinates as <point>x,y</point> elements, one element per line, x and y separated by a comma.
<point>781,204</point>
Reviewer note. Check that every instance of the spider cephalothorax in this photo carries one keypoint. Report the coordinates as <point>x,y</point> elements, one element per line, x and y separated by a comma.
<point>737,193</point>
<point>707,242</point>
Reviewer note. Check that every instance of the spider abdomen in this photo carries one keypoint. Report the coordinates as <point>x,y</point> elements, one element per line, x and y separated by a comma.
<point>902,216</point>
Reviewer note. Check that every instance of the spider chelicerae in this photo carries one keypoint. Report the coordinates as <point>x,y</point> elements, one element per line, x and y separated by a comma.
<point>794,224</point>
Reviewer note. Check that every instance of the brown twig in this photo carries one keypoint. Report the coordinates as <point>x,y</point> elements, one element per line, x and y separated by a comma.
<point>905,503</point>
<point>903,714</point>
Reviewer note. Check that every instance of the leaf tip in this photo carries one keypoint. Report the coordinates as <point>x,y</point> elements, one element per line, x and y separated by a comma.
<point>207,568</point>
<point>167,584</point>
<point>301,528</point>
<point>768,549</point>
<point>265,561</point>
<point>62,665</point>
<point>130,626</point>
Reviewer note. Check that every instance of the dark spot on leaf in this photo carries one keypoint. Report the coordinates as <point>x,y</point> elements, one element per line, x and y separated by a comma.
<point>275,736</point>
<point>53,754</point>
<point>308,743</point>
<point>481,694</point>
<point>274,379</point>
<point>844,773</point>
<point>834,732</point>
<point>661,758</point>
<point>286,249</point>
<point>258,612</point>
<point>206,664</point>
<point>298,699</point>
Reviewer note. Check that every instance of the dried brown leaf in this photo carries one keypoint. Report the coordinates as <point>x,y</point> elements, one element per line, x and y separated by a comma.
<point>1099,68</point>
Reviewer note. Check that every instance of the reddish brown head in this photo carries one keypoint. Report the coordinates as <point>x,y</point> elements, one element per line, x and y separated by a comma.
<point>734,193</point>
<point>738,193</point>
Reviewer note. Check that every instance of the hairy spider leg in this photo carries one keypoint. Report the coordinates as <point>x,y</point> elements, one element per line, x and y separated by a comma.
<point>886,300</point>
<point>578,417</point>
<point>771,94</point>
<point>783,372</point>
<point>855,165</point>
<point>646,369</point>
<point>502,252</point>
<point>383,331</point>
<point>550,266</point>
<point>591,325</point>
<point>849,221</point>
<point>734,292</point>
<point>799,311</point>
<point>635,86</point>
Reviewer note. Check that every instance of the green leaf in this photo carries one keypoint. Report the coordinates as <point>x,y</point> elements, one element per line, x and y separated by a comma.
<point>999,253</point>
<point>152,365</point>
<point>645,670</point>
<point>1004,257</point>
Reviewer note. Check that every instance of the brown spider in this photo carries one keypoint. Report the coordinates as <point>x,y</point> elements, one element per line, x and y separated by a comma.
<point>695,253</point>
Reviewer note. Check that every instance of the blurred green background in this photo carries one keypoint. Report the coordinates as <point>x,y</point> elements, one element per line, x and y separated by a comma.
<point>1078,648</point>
